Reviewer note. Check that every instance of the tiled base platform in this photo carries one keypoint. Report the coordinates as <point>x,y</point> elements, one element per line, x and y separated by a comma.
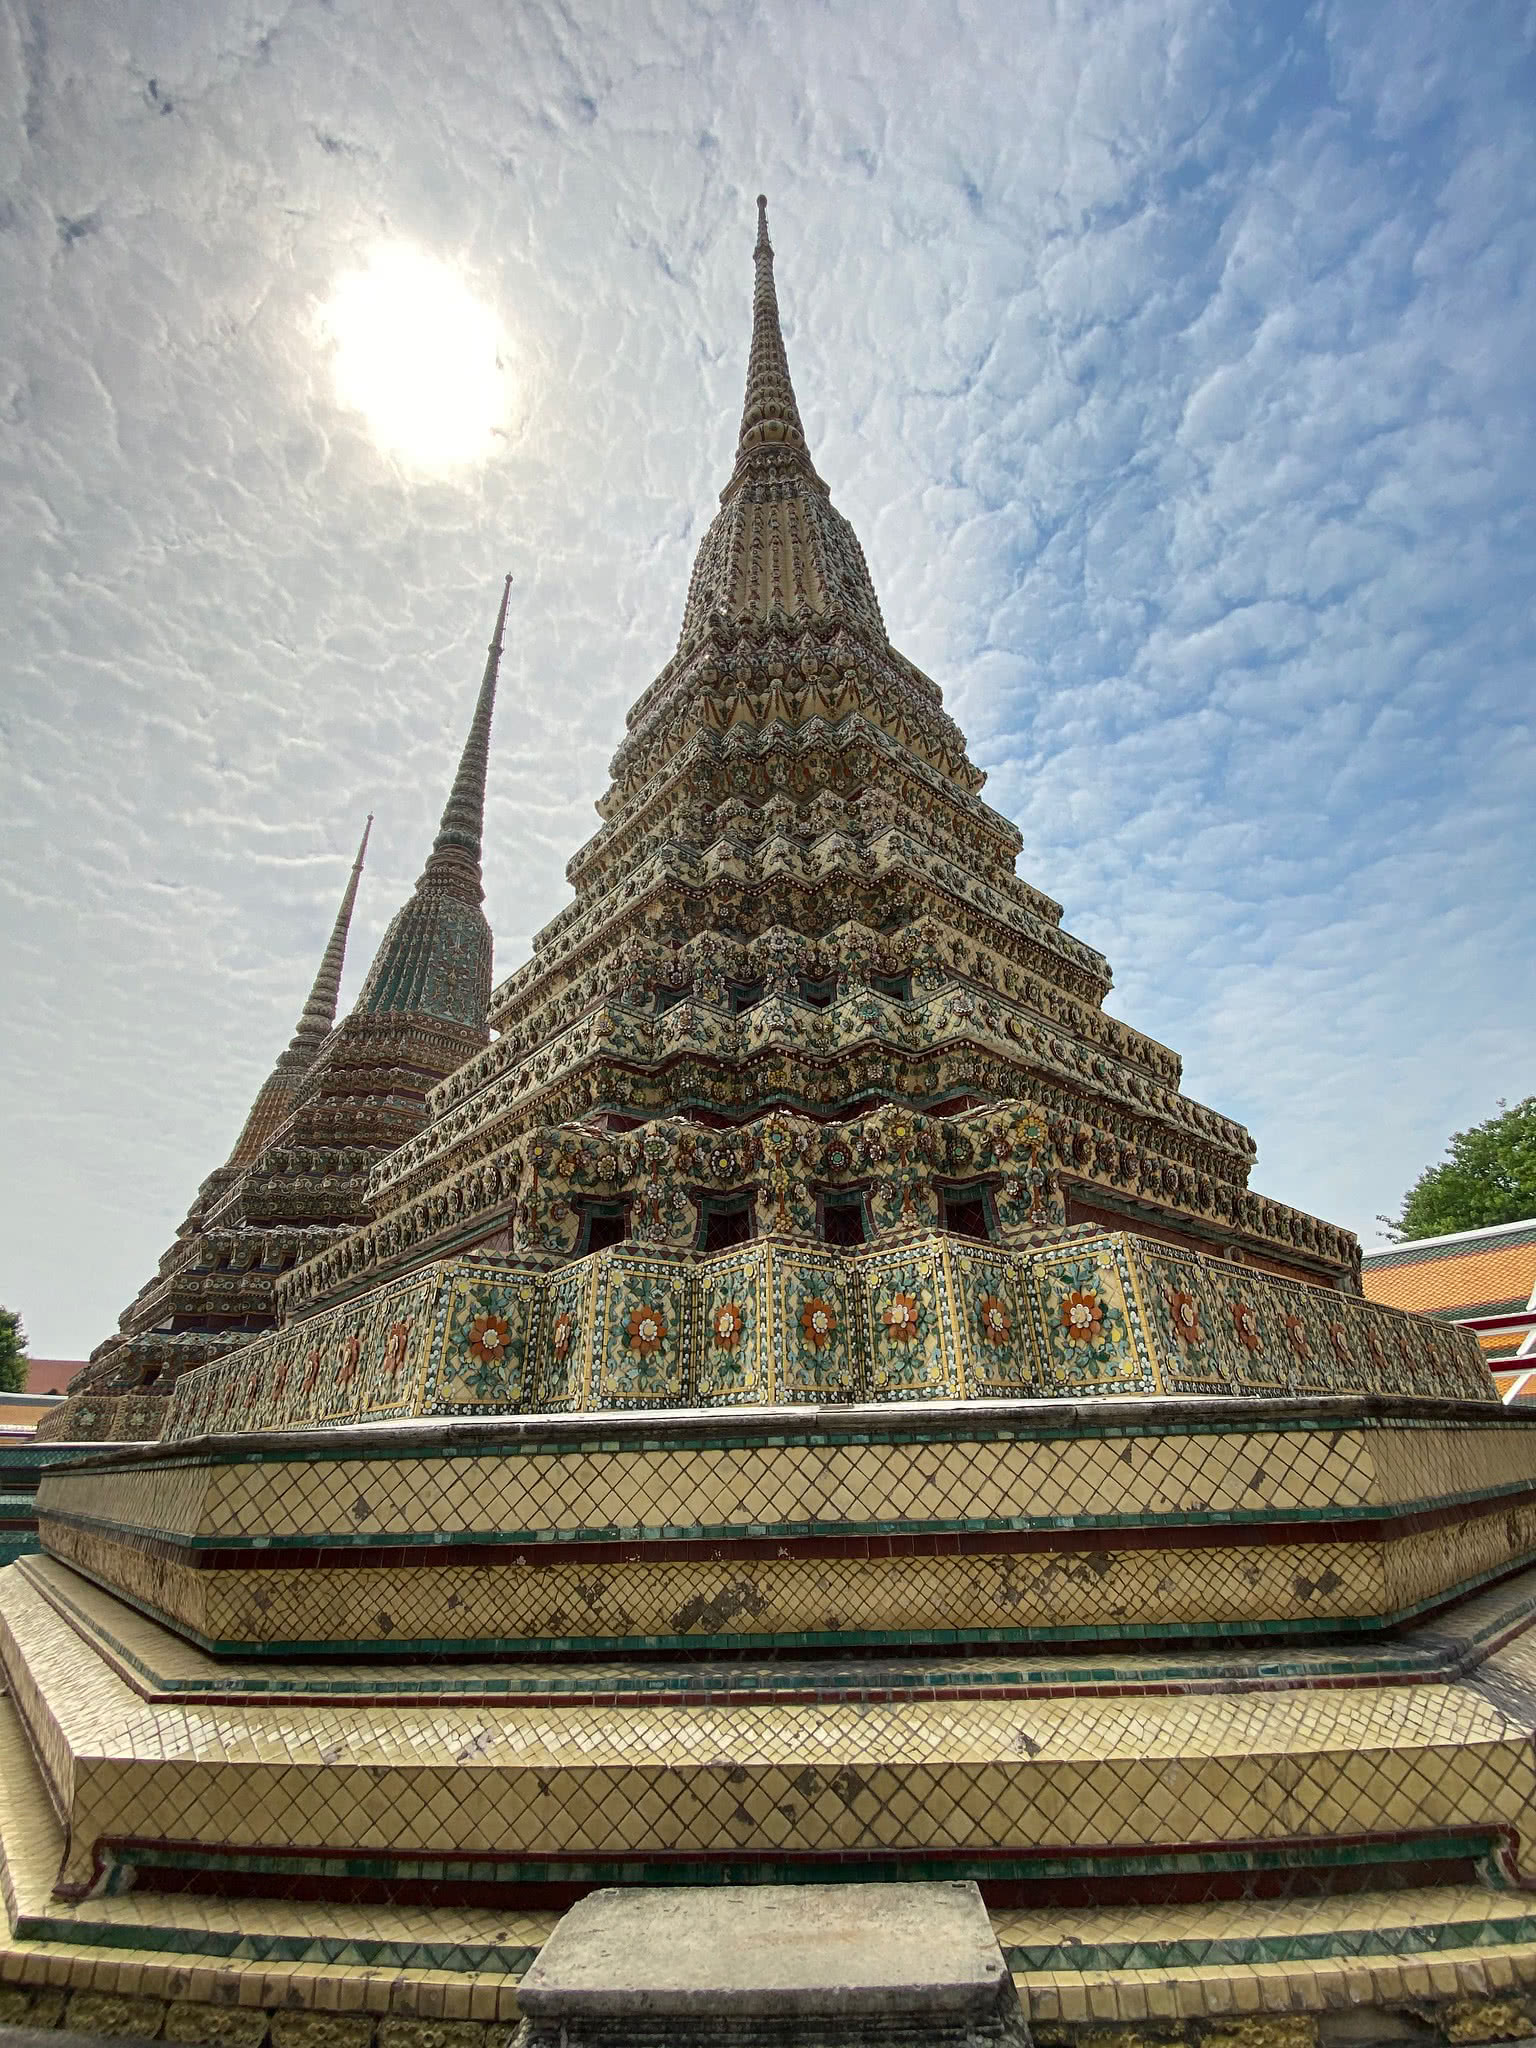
<point>1084,1780</point>
<point>1171,1821</point>
<point>846,1529</point>
<point>1459,1960</point>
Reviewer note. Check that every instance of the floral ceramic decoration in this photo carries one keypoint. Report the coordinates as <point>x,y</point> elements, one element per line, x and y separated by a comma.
<point>562,1349</point>
<point>993,1318</point>
<point>908,1351</point>
<point>728,1358</point>
<point>1197,1345</point>
<point>814,1333</point>
<point>1247,1330</point>
<point>485,1344</point>
<point>644,1356</point>
<point>1087,1326</point>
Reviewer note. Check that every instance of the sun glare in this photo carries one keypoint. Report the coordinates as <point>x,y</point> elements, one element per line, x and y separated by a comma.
<point>418,356</point>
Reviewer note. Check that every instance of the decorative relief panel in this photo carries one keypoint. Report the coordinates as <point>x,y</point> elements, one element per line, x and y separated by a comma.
<point>923,1315</point>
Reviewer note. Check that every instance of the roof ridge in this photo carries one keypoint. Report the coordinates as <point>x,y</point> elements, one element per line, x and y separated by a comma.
<point>1411,1247</point>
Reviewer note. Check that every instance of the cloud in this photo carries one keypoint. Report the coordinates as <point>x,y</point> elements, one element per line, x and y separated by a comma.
<point>1171,362</point>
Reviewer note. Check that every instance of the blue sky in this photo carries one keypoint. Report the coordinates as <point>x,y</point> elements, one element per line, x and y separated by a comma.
<point>1173,362</point>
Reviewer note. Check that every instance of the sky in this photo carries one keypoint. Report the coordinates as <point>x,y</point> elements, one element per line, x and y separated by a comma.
<point>1173,361</point>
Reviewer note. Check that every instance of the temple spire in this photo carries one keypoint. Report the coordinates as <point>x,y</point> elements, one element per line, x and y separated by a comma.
<point>435,959</point>
<point>319,1013</point>
<point>275,1097</point>
<point>770,419</point>
<point>454,862</point>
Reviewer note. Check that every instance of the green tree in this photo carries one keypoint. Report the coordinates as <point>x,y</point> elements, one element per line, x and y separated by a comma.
<point>13,1353</point>
<point>1488,1176</point>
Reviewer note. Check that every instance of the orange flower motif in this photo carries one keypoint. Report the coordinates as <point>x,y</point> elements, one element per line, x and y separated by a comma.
<point>901,1317</point>
<point>488,1339</point>
<point>728,1323</point>
<point>1082,1316</point>
<point>311,1367</point>
<point>818,1319</point>
<point>996,1322</point>
<point>351,1350</point>
<point>564,1331</point>
<point>1338,1338</point>
<point>1246,1323</point>
<point>1185,1311</point>
<point>280,1379</point>
<point>1296,1336</point>
<point>646,1329</point>
<point>394,1347</point>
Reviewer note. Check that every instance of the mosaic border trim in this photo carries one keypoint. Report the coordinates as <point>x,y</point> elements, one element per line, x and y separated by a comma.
<point>120,1859</point>
<point>982,1421</point>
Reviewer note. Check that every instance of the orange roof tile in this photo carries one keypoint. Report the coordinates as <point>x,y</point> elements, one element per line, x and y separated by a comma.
<point>1469,1280</point>
<point>51,1375</point>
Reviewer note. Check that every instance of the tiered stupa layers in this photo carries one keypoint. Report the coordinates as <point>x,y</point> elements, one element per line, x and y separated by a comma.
<point>340,1099</point>
<point>213,1287</point>
<point>799,906</point>
<point>863,1516</point>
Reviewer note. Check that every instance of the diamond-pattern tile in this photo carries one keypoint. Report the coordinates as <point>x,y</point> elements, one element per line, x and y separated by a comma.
<point>1106,1772</point>
<point>1029,1488</point>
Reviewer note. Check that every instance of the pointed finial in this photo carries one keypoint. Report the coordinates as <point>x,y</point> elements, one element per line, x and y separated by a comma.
<point>274,1098</point>
<point>770,418</point>
<point>319,1013</point>
<point>454,862</point>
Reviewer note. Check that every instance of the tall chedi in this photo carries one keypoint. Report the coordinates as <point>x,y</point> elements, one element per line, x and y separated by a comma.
<point>796,1309</point>
<point>213,1287</point>
<point>340,1098</point>
<point>801,988</point>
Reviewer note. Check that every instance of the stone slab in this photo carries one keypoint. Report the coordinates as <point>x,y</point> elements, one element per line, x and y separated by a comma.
<point>770,1951</point>
<point>61,2037</point>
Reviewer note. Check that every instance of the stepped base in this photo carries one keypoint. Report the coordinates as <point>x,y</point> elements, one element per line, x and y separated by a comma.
<point>1460,1958</point>
<point>846,1529</point>
<point>1164,1822</point>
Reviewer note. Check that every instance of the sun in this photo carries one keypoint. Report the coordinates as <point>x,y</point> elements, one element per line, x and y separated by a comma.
<point>419,356</point>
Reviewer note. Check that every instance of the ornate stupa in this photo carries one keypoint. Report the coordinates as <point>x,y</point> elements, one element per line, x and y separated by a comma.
<point>791,1392</point>
<point>213,1288</point>
<point>338,1101</point>
<point>801,991</point>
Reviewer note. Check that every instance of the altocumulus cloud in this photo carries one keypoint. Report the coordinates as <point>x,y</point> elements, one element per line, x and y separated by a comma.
<point>1171,360</point>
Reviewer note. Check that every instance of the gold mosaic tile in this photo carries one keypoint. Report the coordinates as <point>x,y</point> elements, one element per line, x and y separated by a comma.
<point>908,1475</point>
<point>199,1947</point>
<point>158,1663</point>
<point>154,1945</point>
